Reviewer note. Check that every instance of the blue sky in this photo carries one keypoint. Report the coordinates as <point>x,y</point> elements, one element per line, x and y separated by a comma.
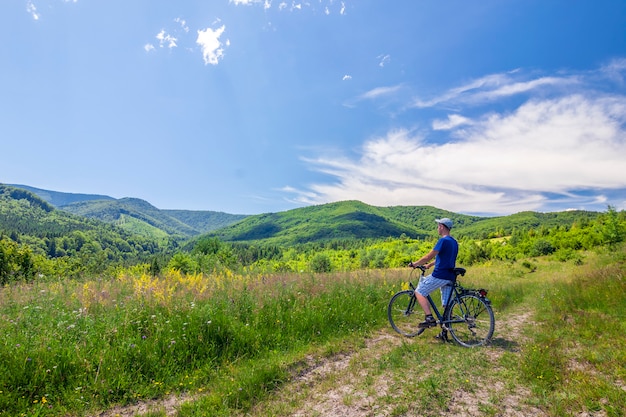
<point>480,107</point>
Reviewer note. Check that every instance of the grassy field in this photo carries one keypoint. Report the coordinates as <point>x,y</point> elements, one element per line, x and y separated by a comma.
<point>233,344</point>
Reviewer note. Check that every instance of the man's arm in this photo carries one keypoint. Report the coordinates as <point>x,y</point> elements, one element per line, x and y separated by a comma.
<point>424,259</point>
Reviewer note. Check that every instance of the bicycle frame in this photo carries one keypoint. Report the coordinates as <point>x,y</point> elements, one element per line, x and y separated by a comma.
<point>467,315</point>
<point>455,294</point>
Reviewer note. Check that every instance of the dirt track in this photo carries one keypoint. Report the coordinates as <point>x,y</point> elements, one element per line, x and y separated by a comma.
<point>329,387</point>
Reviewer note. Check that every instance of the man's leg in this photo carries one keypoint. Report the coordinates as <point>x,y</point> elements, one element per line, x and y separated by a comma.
<point>424,303</point>
<point>425,287</point>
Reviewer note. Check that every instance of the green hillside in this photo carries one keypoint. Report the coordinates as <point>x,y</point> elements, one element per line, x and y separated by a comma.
<point>135,215</point>
<point>37,238</point>
<point>526,220</point>
<point>205,221</point>
<point>335,221</point>
<point>118,211</point>
<point>59,199</point>
<point>22,212</point>
<point>42,229</point>
<point>356,220</point>
<point>327,222</point>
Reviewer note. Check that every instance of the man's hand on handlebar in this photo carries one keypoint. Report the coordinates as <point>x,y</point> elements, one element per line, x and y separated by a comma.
<point>415,266</point>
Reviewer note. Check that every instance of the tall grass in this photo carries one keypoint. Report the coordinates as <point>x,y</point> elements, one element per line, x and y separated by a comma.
<point>70,346</point>
<point>577,360</point>
<point>76,347</point>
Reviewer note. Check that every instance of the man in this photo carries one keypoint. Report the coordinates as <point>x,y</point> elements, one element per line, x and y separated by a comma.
<point>444,253</point>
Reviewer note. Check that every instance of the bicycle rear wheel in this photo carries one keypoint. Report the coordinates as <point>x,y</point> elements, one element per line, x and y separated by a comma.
<point>401,313</point>
<point>471,321</point>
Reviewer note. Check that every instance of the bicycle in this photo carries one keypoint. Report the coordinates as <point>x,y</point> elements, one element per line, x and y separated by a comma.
<point>468,315</point>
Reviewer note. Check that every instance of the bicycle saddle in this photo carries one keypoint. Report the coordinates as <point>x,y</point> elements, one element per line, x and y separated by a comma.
<point>459,271</point>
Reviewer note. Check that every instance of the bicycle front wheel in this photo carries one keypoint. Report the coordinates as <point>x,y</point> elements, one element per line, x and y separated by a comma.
<point>401,313</point>
<point>471,321</point>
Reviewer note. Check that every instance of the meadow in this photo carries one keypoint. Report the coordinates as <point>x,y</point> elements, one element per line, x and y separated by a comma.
<point>233,342</point>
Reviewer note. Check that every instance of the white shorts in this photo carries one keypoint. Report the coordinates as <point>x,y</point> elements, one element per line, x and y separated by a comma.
<point>429,284</point>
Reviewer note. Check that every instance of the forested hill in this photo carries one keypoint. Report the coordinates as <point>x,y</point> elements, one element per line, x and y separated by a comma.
<point>59,199</point>
<point>322,223</point>
<point>356,220</point>
<point>35,233</point>
<point>27,219</point>
<point>135,215</point>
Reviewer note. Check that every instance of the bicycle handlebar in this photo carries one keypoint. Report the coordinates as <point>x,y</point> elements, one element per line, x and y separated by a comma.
<point>420,267</point>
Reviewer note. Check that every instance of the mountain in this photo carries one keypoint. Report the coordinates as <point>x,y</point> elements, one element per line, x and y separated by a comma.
<point>334,221</point>
<point>356,220</point>
<point>205,221</point>
<point>135,215</point>
<point>59,199</point>
<point>27,218</point>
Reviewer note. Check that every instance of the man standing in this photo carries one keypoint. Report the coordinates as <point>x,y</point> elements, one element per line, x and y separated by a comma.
<point>444,252</point>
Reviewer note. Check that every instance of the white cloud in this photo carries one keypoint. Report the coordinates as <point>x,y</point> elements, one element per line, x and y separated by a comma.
<point>615,70</point>
<point>166,40</point>
<point>502,163</point>
<point>453,121</point>
<point>212,47</point>
<point>347,77</point>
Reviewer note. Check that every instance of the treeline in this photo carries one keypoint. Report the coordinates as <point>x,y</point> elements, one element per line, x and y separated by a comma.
<point>105,250</point>
<point>37,240</point>
<point>564,242</point>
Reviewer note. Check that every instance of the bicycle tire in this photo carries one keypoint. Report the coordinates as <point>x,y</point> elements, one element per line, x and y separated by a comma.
<point>471,321</point>
<point>401,313</point>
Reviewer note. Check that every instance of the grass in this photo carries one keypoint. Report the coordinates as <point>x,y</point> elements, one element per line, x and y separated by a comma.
<point>232,342</point>
<point>70,347</point>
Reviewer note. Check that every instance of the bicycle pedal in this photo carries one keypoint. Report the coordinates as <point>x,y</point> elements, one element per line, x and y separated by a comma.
<point>443,336</point>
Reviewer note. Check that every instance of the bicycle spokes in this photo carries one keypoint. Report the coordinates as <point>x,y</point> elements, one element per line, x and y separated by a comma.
<point>471,321</point>
<point>402,315</point>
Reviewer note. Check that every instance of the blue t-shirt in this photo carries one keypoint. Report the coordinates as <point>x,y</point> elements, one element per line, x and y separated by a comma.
<point>445,261</point>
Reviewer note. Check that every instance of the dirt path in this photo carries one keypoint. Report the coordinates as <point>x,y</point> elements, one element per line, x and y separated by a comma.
<point>332,387</point>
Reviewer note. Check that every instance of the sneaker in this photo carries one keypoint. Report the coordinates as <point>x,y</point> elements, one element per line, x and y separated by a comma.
<point>427,323</point>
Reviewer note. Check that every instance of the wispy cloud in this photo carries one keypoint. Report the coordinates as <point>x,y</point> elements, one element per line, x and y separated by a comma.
<point>493,87</point>
<point>383,60</point>
<point>453,121</point>
<point>388,94</point>
<point>379,92</point>
<point>565,145</point>
<point>326,7</point>
<point>32,10</point>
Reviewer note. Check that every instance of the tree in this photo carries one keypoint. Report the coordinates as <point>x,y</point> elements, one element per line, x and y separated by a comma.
<point>321,263</point>
<point>182,262</point>
<point>612,228</point>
